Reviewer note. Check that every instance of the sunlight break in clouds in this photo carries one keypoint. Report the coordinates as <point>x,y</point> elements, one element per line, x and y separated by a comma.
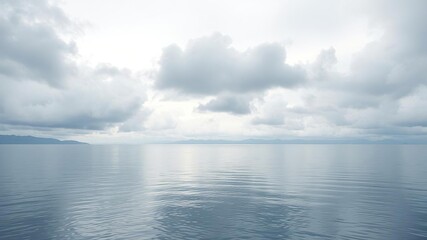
<point>213,70</point>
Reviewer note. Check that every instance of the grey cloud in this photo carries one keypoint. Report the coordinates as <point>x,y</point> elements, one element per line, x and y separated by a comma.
<point>229,104</point>
<point>395,64</point>
<point>326,58</point>
<point>385,70</point>
<point>321,68</point>
<point>43,86</point>
<point>270,111</point>
<point>274,120</point>
<point>384,91</point>
<point>383,94</point>
<point>94,101</point>
<point>379,71</point>
<point>390,75</point>
<point>283,118</point>
<point>410,111</point>
<point>209,65</point>
<point>30,46</point>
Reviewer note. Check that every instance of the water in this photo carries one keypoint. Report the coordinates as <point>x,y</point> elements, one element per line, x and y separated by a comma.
<point>213,192</point>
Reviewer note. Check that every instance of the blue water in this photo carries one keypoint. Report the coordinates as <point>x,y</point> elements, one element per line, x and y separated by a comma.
<point>213,192</point>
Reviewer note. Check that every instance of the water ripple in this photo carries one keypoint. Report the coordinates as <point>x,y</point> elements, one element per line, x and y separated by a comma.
<point>213,192</point>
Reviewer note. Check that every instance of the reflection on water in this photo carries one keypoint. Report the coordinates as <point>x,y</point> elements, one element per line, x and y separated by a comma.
<point>213,191</point>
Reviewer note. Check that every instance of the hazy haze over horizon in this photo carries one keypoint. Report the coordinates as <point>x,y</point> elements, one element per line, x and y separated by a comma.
<point>153,71</point>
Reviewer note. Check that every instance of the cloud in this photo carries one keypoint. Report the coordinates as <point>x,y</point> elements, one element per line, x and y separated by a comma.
<point>322,67</point>
<point>209,65</point>
<point>42,84</point>
<point>396,63</point>
<point>277,110</point>
<point>97,99</point>
<point>228,103</point>
<point>273,120</point>
<point>31,47</point>
<point>45,85</point>
<point>383,92</point>
<point>410,112</point>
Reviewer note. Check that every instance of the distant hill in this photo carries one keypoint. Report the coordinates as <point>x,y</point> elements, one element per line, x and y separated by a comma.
<point>12,139</point>
<point>264,141</point>
<point>293,141</point>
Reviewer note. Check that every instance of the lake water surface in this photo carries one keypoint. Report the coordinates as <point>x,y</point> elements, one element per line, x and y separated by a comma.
<point>213,192</point>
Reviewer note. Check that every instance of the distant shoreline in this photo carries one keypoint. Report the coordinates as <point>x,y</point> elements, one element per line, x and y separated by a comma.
<point>13,139</point>
<point>293,141</point>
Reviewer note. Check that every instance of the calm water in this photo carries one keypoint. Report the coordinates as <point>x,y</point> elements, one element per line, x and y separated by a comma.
<point>213,192</point>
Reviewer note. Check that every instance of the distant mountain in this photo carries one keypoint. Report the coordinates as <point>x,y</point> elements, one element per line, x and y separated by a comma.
<point>12,139</point>
<point>294,141</point>
<point>258,141</point>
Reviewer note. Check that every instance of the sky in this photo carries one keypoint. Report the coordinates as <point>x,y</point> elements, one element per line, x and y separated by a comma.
<point>133,71</point>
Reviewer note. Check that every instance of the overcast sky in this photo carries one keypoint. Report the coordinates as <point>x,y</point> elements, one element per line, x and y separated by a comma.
<point>132,71</point>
